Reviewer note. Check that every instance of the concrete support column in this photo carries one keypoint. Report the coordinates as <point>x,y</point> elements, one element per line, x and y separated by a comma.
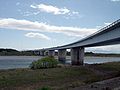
<point>62,55</point>
<point>77,56</point>
<point>42,53</point>
<point>36,52</point>
<point>51,53</point>
<point>46,53</point>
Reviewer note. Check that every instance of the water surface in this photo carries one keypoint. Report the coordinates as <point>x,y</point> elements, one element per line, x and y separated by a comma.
<point>10,62</point>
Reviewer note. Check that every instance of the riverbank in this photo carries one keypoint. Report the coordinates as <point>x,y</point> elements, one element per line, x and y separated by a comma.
<point>60,78</point>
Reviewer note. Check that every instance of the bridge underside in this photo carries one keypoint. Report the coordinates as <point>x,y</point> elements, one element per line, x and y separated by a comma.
<point>77,53</point>
<point>109,35</point>
<point>104,43</point>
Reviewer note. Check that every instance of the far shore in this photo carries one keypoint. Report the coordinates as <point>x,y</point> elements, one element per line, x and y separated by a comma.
<point>95,55</point>
<point>14,52</point>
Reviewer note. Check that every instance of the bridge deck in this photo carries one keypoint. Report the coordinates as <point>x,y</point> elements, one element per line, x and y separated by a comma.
<point>90,41</point>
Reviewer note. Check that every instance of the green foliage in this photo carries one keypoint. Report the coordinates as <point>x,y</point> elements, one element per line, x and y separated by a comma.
<point>110,66</point>
<point>69,76</point>
<point>45,88</point>
<point>93,78</point>
<point>47,62</point>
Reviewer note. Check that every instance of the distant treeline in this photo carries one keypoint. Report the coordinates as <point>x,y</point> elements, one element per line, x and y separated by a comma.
<point>13,52</point>
<point>102,54</point>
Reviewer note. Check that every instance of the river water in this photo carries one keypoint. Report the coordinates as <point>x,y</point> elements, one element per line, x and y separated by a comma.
<point>10,62</point>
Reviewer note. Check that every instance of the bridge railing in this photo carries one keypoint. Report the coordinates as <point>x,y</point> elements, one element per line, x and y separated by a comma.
<point>108,26</point>
<point>104,28</point>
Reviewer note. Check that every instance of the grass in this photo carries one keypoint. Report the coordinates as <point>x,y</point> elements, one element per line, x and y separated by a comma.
<point>44,88</point>
<point>51,77</point>
<point>112,66</point>
<point>55,78</point>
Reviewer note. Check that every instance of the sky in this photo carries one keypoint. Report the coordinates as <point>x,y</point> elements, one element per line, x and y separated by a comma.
<point>36,24</point>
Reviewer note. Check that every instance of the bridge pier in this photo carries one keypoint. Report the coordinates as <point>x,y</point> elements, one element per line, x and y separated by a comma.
<point>42,53</point>
<point>77,55</point>
<point>36,52</point>
<point>62,55</point>
<point>45,53</point>
<point>51,53</point>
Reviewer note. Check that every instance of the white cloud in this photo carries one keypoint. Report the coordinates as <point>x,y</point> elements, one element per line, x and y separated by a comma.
<point>28,13</point>
<point>115,0</point>
<point>106,24</point>
<point>50,9</point>
<point>11,23</point>
<point>68,14</point>
<point>75,12</point>
<point>37,35</point>
<point>55,10</point>
<point>18,3</point>
<point>32,6</point>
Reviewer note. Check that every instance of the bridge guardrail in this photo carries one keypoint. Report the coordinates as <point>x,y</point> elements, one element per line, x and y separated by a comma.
<point>104,28</point>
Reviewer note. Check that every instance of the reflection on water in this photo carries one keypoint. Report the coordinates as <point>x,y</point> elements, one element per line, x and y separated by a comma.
<point>9,62</point>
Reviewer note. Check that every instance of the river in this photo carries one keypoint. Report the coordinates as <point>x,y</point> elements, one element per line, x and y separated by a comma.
<point>10,62</point>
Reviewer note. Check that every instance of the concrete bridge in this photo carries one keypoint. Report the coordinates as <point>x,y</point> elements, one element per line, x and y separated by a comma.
<point>108,35</point>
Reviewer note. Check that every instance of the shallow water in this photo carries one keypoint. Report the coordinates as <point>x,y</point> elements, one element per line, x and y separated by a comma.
<point>10,62</point>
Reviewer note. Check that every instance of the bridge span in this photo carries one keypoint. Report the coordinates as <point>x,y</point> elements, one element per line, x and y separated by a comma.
<point>108,35</point>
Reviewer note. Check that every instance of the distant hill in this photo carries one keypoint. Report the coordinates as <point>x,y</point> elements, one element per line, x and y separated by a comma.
<point>8,50</point>
<point>14,52</point>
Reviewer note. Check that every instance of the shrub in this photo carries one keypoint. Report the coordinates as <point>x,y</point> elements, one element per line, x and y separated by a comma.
<point>44,88</point>
<point>47,62</point>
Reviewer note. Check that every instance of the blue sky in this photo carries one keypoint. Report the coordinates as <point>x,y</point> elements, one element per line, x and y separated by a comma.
<point>35,24</point>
